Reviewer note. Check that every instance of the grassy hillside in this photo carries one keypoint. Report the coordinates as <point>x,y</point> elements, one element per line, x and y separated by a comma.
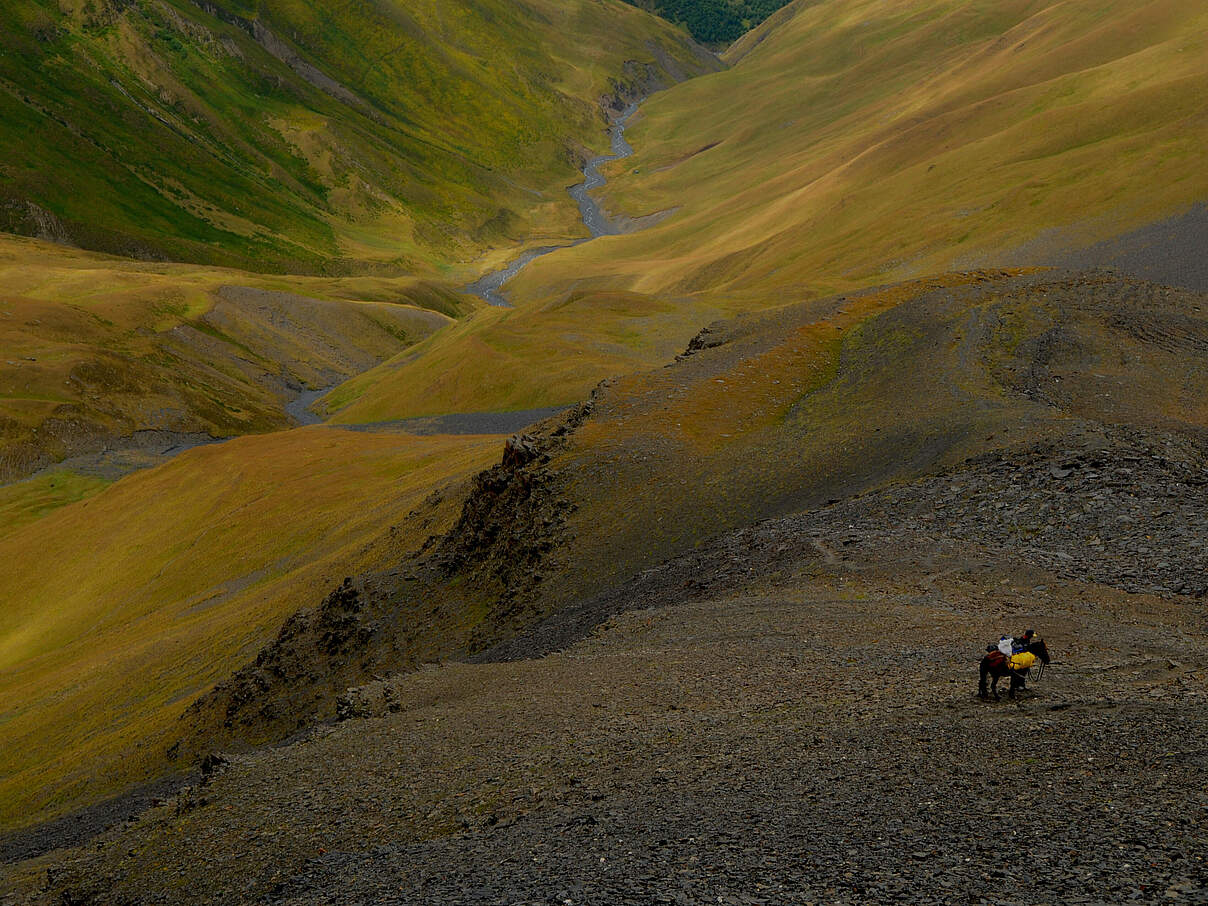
<point>525,357</point>
<point>122,608</point>
<point>96,348</point>
<point>293,135</point>
<point>858,142</point>
<point>851,144</point>
<point>775,413</point>
<point>30,500</point>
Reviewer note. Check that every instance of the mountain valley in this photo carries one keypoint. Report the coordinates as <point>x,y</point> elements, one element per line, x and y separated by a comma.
<point>327,580</point>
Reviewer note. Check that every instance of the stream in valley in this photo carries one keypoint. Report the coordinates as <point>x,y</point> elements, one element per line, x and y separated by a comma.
<point>489,287</point>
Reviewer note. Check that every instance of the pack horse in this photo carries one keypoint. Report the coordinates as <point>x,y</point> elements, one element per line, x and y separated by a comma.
<point>998,663</point>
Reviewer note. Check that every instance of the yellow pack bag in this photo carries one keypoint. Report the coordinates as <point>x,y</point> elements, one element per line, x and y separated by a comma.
<point>1022,661</point>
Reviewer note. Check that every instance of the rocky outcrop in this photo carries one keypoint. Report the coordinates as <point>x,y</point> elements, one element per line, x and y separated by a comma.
<point>462,593</point>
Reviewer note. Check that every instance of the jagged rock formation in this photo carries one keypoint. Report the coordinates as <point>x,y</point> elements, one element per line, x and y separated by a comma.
<point>460,593</point>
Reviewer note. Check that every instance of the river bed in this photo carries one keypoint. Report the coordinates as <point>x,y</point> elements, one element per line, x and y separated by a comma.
<point>489,287</point>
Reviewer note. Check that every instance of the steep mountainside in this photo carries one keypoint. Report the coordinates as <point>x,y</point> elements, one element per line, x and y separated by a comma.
<point>850,144</point>
<point>765,416</point>
<point>795,695</point>
<point>298,136</point>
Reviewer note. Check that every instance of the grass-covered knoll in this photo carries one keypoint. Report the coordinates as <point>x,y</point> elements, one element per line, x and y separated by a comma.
<point>849,144</point>
<point>27,501</point>
<point>120,609</point>
<point>95,348</point>
<point>297,135</point>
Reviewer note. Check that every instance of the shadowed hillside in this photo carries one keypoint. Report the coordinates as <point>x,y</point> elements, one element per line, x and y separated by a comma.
<point>301,137</point>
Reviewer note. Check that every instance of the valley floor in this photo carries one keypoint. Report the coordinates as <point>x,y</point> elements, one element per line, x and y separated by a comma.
<point>787,715</point>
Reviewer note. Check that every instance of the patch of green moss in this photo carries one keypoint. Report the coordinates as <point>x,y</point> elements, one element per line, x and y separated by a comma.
<point>30,500</point>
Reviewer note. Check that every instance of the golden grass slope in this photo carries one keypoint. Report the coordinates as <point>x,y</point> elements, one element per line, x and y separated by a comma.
<point>851,143</point>
<point>120,609</point>
<point>94,348</point>
<point>862,141</point>
<point>525,357</point>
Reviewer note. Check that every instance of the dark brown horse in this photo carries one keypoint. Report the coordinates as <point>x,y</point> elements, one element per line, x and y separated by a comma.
<point>997,665</point>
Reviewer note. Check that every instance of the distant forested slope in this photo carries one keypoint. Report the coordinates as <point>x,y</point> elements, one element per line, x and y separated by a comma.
<point>713,21</point>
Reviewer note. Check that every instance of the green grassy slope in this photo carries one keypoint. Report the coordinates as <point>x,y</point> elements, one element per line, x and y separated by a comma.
<point>28,501</point>
<point>118,610</point>
<point>850,144</point>
<point>297,135</point>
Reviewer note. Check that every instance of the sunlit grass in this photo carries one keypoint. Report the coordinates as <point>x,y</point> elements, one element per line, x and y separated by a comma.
<point>850,145</point>
<point>30,500</point>
<point>120,609</point>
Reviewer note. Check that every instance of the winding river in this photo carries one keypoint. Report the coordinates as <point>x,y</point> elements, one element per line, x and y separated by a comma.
<point>489,287</point>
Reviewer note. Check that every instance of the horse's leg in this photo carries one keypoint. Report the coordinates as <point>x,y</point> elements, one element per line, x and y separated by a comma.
<point>981,680</point>
<point>1016,683</point>
<point>994,684</point>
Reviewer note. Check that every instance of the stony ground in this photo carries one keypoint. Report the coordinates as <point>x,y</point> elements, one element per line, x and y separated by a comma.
<point>787,712</point>
<point>785,716</point>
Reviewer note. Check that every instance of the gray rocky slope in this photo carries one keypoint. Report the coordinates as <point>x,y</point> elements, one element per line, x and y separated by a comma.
<point>786,712</point>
